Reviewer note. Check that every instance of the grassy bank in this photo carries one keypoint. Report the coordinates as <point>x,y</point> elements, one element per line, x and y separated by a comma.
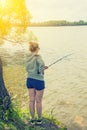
<point>16,119</point>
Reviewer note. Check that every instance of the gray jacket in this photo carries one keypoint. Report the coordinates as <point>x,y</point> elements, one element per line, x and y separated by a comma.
<point>35,67</point>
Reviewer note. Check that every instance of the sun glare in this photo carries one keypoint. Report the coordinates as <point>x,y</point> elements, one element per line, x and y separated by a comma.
<point>2,2</point>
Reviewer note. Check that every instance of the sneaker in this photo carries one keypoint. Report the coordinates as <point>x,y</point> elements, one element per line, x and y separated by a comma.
<point>32,121</point>
<point>39,122</point>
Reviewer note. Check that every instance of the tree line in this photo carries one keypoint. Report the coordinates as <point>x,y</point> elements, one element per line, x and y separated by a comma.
<point>59,23</point>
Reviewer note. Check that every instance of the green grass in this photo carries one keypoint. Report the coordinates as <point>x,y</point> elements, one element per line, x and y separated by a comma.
<point>16,119</point>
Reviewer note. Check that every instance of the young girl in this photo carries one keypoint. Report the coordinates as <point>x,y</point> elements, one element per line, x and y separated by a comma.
<point>35,81</point>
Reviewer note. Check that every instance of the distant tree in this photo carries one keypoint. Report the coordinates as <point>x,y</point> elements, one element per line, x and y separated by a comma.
<point>14,20</point>
<point>81,22</point>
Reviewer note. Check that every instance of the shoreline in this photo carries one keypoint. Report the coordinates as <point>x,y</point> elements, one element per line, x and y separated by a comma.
<point>56,26</point>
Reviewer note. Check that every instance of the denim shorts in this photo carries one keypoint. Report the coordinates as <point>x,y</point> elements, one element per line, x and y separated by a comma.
<point>34,83</point>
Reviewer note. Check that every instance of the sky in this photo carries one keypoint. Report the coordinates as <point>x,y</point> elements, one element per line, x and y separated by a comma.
<point>70,10</point>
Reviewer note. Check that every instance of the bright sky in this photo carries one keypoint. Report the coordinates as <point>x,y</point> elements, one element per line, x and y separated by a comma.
<point>70,10</point>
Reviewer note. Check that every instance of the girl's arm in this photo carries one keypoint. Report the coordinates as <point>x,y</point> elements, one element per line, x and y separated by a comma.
<point>41,64</point>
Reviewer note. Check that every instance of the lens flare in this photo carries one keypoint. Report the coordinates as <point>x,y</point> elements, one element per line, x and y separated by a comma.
<point>2,2</point>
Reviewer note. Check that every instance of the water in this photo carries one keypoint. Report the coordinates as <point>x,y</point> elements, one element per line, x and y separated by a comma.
<point>66,81</point>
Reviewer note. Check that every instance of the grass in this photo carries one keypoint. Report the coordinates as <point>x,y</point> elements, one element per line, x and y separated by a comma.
<point>17,117</point>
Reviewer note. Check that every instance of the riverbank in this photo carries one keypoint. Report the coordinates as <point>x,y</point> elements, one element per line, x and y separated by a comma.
<point>18,119</point>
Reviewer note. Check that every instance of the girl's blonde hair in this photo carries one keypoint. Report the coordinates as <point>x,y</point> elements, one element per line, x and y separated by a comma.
<point>33,46</point>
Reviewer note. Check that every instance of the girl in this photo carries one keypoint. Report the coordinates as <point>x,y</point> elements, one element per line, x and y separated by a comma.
<point>35,81</point>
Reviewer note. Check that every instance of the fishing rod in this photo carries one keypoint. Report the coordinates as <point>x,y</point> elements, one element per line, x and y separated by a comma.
<point>59,60</point>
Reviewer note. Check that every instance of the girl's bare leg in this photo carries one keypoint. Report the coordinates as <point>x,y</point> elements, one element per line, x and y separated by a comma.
<point>32,93</point>
<point>39,96</point>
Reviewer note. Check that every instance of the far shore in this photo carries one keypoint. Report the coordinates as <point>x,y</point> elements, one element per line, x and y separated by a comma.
<point>56,26</point>
<point>58,23</point>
